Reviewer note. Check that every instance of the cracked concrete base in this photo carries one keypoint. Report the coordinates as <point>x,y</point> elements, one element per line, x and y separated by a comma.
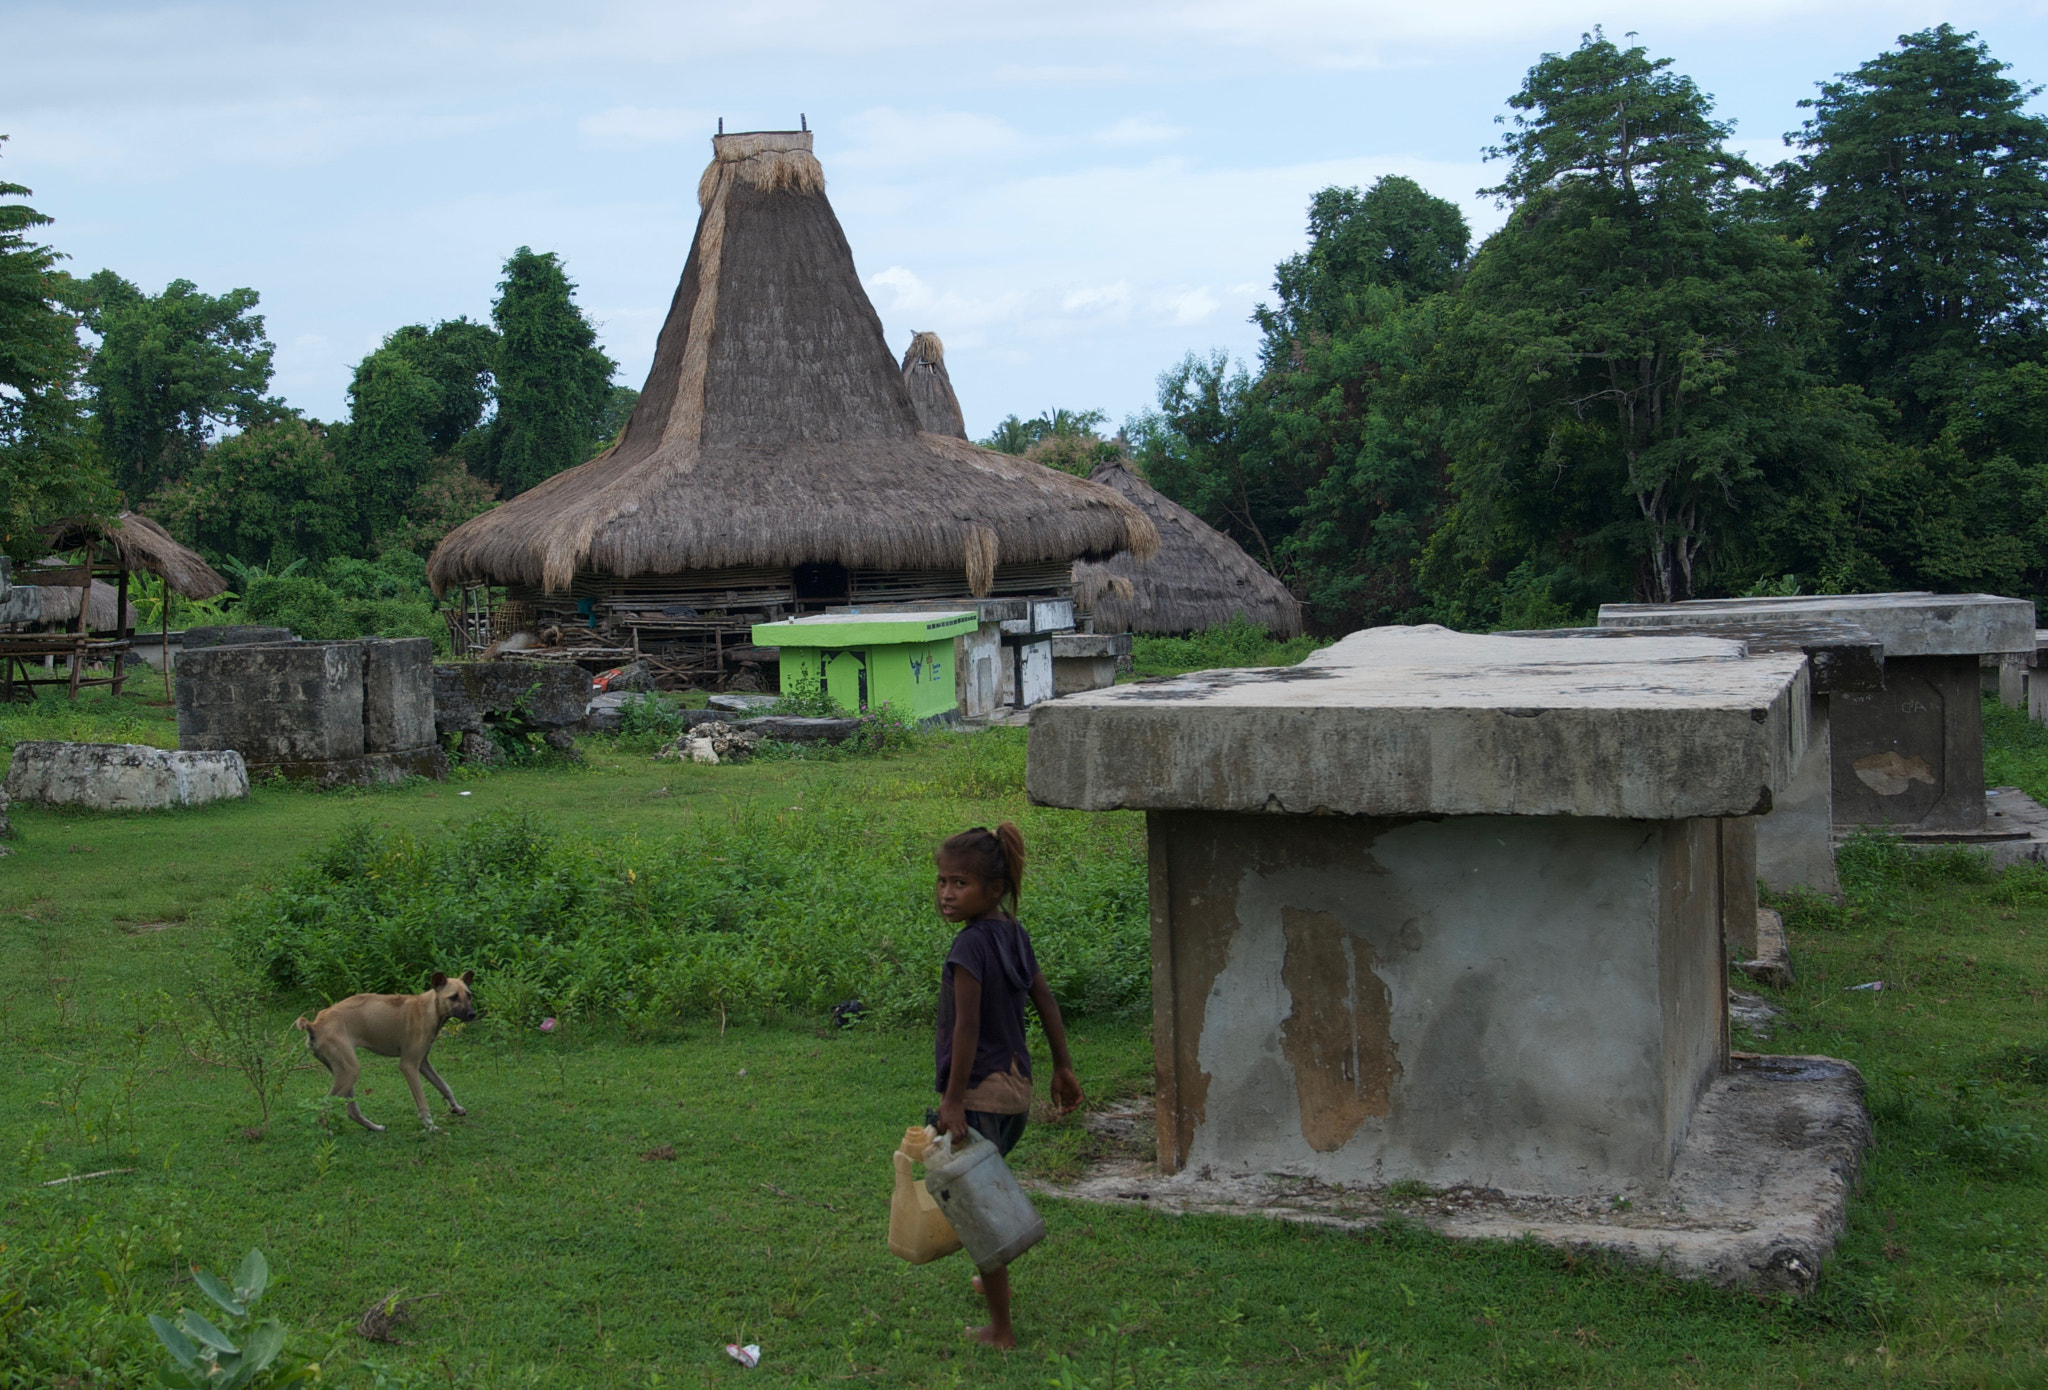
<point>1757,1198</point>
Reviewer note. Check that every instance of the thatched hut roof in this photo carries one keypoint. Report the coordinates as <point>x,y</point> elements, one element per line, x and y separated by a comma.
<point>774,428</point>
<point>60,604</point>
<point>930,388</point>
<point>1199,579</point>
<point>140,544</point>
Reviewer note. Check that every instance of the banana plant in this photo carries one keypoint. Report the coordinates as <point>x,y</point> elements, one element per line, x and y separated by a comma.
<point>242,1355</point>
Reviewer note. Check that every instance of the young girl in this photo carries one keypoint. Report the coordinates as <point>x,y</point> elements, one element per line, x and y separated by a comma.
<point>984,1062</point>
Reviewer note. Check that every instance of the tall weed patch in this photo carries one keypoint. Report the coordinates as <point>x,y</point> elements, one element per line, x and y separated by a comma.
<point>756,914</point>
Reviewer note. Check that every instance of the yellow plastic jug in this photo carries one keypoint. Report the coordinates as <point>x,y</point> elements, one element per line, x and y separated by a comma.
<point>918,1230</point>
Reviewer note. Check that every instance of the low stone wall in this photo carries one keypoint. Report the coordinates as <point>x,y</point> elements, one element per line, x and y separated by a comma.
<point>123,776</point>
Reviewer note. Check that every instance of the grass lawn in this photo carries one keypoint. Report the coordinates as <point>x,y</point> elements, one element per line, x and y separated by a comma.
<point>556,1243</point>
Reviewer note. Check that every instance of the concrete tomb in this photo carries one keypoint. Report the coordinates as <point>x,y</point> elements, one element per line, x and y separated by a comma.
<point>340,713</point>
<point>1438,907</point>
<point>1795,841</point>
<point>1087,660</point>
<point>1910,756</point>
<point>477,696</point>
<point>122,776</point>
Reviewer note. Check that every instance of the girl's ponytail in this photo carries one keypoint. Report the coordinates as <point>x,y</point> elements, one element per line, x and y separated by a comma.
<point>1012,841</point>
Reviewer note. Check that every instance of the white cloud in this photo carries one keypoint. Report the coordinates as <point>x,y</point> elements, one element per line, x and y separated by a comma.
<point>1187,306</point>
<point>1097,299</point>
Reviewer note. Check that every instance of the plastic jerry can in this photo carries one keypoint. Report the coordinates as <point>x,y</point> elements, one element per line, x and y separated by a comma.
<point>918,1230</point>
<point>979,1194</point>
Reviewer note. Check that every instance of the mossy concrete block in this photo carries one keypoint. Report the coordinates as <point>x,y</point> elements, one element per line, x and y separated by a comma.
<point>470,697</point>
<point>123,776</point>
<point>398,694</point>
<point>296,702</point>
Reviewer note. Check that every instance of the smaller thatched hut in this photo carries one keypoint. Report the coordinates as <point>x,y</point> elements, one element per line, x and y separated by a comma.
<point>132,542</point>
<point>930,388</point>
<point>1199,579</point>
<point>58,604</point>
<point>116,549</point>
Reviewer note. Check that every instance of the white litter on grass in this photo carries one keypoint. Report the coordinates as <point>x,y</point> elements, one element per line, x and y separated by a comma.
<point>748,1355</point>
<point>1874,984</point>
<point>462,793</point>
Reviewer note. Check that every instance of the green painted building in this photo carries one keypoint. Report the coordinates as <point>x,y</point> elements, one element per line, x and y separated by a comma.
<point>865,660</point>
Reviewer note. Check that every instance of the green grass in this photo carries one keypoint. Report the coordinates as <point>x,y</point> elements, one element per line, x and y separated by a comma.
<point>1239,643</point>
<point>558,1255</point>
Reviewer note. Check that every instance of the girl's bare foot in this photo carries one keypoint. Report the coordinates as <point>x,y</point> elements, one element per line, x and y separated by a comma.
<point>989,1336</point>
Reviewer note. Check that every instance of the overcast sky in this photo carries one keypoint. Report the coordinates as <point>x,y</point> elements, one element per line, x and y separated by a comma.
<point>1072,195</point>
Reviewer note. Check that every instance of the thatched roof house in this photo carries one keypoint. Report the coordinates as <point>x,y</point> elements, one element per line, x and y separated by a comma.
<point>930,388</point>
<point>1199,579</point>
<point>775,456</point>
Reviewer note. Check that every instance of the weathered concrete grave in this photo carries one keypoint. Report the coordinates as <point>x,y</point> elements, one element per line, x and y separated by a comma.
<point>1435,907</point>
<point>1909,757</point>
<point>122,776</point>
<point>339,713</point>
<point>1795,841</point>
<point>481,701</point>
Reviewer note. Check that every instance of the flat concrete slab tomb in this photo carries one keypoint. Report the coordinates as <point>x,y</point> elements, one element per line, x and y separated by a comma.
<point>1905,754</point>
<point>1447,910</point>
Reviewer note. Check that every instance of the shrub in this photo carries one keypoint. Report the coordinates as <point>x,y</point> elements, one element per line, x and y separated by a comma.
<point>314,609</point>
<point>755,914</point>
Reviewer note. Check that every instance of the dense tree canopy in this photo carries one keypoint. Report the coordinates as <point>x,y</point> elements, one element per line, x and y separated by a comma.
<point>1667,375</point>
<point>554,385</point>
<point>1922,185</point>
<point>47,466</point>
<point>171,371</point>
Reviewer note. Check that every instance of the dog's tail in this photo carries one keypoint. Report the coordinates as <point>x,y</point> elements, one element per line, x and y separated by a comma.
<point>303,1026</point>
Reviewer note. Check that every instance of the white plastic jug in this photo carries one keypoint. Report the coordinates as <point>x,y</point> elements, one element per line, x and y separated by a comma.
<point>980,1197</point>
<point>917,1228</point>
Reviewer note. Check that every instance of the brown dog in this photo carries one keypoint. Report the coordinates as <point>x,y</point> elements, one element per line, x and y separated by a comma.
<point>391,1025</point>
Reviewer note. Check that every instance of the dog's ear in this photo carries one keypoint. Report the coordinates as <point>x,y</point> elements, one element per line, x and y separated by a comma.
<point>469,977</point>
<point>439,979</point>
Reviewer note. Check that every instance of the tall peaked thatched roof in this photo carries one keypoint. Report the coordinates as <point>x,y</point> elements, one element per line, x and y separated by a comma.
<point>140,544</point>
<point>1199,578</point>
<point>775,429</point>
<point>930,388</point>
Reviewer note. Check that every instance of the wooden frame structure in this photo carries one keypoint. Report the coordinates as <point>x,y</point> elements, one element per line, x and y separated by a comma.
<point>113,549</point>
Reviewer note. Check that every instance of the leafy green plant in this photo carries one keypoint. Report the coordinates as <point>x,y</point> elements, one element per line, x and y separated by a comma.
<point>233,1029</point>
<point>755,914</point>
<point>804,697</point>
<point>243,1355</point>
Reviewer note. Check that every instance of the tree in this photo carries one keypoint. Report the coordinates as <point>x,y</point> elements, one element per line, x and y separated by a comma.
<point>1328,466</point>
<point>171,370</point>
<point>1923,187</point>
<point>47,468</point>
<point>1062,439</point>
<point>460,358</point>
<point>388,444</point>
<point>271,494</point>
<point>553,382</point>
<point>1638,343</point>
<point>1398,234</point>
